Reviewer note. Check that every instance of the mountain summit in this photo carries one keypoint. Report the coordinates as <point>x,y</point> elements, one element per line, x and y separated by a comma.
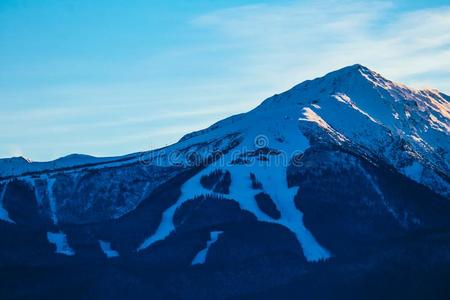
<point>354,104</point>
<point>346,171</point>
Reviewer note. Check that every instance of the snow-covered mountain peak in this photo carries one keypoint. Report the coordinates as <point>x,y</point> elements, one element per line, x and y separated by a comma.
<point>354,109</point>
<point>341,140</point>
<point>353,106</point>
<point>381,101</point>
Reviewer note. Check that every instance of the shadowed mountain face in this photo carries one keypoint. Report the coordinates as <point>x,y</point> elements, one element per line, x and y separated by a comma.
<point>337,188</point>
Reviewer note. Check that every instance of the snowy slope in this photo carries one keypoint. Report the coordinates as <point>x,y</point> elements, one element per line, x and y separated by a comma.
<point>307,185</point>
<point>353,108</point>
<point>407,128</point>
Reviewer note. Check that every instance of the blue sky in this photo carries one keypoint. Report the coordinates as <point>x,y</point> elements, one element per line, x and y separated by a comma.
<point>114,77</point>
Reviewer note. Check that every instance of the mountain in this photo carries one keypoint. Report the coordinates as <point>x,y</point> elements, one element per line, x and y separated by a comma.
<point>336,188</point>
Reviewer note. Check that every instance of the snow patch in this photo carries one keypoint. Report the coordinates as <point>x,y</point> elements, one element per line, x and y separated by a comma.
<point>346,99</point>
<point>52,200</point>
<point>414,171</point>
<point>106,248</point>
<point>59,239</point>
<point>200,258</point>
<point>311,116</point>
<point>3,212</point>
<point>32,183</point>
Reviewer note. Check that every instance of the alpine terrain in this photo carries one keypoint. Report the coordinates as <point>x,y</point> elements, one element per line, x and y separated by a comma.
<point>338,188</point>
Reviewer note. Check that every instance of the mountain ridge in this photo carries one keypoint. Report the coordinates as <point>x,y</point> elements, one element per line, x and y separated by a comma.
<point>353,107</point>
<point>343,75</point>
<point>345,172</point>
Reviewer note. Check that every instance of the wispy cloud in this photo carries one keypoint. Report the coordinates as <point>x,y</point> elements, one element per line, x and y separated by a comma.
<point>284,43</point>
<point>227,62</point>
<point>48,119</point>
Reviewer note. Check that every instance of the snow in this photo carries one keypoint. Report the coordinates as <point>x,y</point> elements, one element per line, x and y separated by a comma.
<point>52,200</point>
<point>200,258</point>
<point>59,239</point>
<point>311,116</point>
<point>271,174</point>
<point>414,171</point>
<point>32,183</point>
<point>357,103</point>
<point>353,105</point>
<point>106,248</point>
<point>3,212</point>
<point>346,99</point>
<point>164,229</point>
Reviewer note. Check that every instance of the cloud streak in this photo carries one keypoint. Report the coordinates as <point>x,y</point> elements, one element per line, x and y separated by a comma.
<point>226,62</point>
<point>284,43</point>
